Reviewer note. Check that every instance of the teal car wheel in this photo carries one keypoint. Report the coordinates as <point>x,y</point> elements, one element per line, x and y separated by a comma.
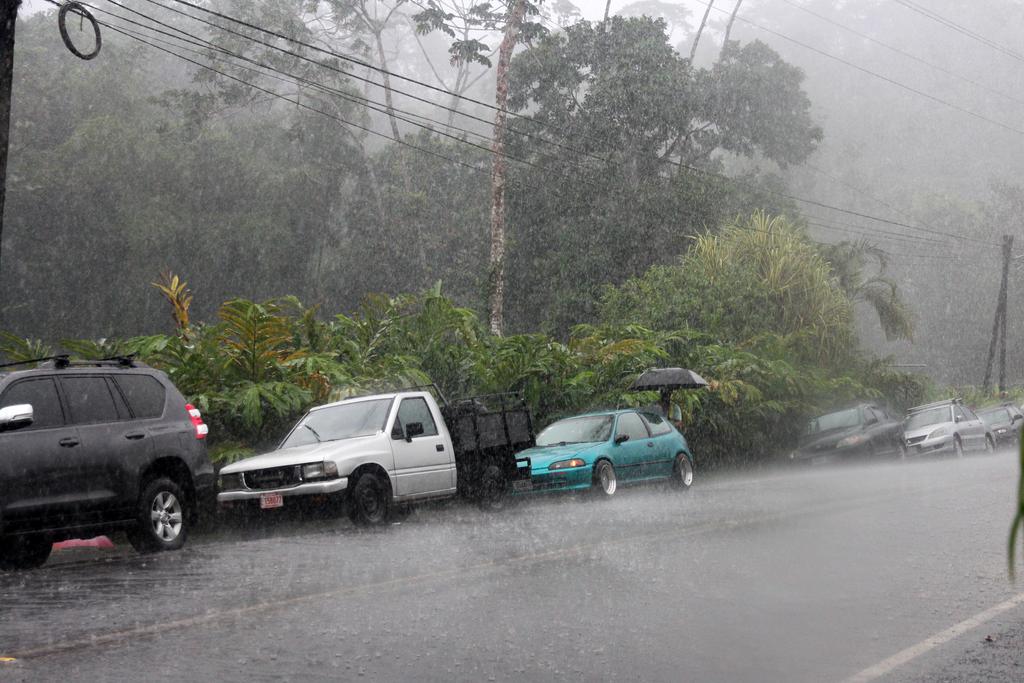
<point>682,472</point>
<point>605,481</point>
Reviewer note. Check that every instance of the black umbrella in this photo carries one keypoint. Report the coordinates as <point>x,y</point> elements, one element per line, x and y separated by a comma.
<point>668,378</point>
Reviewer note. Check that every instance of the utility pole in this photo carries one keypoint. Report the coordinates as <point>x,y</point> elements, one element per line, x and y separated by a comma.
<point>999,325</point>
<point>8,18</point>
<point>499,168</point>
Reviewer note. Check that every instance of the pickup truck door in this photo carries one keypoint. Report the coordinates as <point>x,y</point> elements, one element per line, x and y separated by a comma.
<point>424,462</point>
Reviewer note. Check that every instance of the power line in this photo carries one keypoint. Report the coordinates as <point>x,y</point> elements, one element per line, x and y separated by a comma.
<point>351,97</point>
<point>356,76</point>
<point>435,88</point>
<point>874,74</point>
<point>347,122</point>
<point>949,23</point>
<point>902,52</point>
<point>679,164</point>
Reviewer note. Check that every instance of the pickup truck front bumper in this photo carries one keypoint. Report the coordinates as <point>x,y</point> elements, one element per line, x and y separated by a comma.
<point>316,488</point>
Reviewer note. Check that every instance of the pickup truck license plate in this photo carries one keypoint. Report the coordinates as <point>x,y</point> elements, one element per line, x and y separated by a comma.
<point>522,485</point>
<point>271,500</point>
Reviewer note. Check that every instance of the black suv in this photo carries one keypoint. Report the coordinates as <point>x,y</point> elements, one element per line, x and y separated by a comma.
<point>92,447</point>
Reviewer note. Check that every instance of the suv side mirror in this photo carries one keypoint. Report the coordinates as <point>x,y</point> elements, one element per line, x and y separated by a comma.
<point>16,417</point>
<point>413,429</point>
<point>956,418</point>
<point>621,438</point>
<point>1018,418</point>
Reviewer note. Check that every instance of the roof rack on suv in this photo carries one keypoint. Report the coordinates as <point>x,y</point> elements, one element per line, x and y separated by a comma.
<point>63,358</point>
<point>111,362</point>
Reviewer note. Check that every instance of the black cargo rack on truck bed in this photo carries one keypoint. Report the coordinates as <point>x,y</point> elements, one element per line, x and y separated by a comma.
<point>487,432</point>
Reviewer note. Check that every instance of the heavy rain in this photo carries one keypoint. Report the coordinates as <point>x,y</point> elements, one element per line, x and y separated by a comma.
<point>540,340</point>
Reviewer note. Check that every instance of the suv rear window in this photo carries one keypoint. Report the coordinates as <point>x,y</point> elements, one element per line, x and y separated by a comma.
<point>42,395</point>
<point>145,394</point>
<point>89,399</point>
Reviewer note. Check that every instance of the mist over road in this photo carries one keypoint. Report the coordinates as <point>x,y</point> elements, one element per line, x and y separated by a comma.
<point>800,575</point>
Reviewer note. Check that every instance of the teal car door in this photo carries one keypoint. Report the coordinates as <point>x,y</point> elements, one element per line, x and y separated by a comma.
<point>662,461</point>
<point>631,455</point>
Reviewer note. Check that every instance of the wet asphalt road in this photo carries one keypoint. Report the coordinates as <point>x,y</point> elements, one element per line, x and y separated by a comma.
<point>801,575</point>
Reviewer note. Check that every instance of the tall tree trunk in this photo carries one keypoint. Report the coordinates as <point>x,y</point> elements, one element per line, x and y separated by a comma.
<point>728,27</point>
<point>700,29</point>
<point>607,8</point>
<point>387,84</point>
<point>499,168</point>
<point>8,18</point>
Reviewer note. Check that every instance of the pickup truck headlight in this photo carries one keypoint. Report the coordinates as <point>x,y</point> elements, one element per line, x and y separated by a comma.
<point>940,432</point>
<point>319,470</point>
<point>854,440</point>
<point>566,464</point>
<point>231,482</point>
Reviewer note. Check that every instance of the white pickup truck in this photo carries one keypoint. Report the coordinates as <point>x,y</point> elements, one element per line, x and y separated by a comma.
<point>375,453</point>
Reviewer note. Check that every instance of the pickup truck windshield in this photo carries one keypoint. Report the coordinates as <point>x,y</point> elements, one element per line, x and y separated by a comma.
<point>932,416</point>
<point>345,421</point>
<point>577,430</point>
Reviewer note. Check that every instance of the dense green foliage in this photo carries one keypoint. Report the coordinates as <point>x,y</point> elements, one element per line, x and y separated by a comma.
<point>260,365</point>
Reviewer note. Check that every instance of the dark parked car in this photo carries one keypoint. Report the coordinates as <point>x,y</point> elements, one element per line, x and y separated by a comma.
<point>89,448</point>
<point>1004,422</point>
<point>861,431</point>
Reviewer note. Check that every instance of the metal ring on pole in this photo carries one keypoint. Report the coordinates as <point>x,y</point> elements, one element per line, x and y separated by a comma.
<point>79,9</point>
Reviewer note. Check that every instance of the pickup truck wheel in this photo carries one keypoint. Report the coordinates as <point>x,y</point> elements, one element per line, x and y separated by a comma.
<point>605,481</point>
<point>163,517</point>
<point>24,552</point>
<point>682,473</point>
<point>370,501</point>
<point>493,489</point>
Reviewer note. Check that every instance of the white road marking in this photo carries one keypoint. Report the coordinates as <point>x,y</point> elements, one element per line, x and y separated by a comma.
<point>887,666</point>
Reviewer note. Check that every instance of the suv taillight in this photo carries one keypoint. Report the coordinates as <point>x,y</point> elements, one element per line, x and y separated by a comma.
<point>197,421</point>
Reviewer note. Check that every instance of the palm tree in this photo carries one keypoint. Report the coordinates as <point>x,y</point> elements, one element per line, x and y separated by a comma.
<point>849,261</point>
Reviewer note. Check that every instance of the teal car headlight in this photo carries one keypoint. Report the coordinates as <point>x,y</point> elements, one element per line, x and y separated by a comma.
<point>566,464</point>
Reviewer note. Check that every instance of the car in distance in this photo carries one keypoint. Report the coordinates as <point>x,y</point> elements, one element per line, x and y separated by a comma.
<point>864,430</point>
<point>1004,423</point>
<point>947,427</point>
<point>95,447</point>
<point>599,451</point>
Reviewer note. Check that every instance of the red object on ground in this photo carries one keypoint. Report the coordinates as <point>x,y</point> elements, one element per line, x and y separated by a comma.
<point>97,542</point>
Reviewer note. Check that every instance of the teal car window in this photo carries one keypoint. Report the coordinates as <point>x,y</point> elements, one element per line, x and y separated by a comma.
<point>656,423</point>
<point>590,429</point>
<point>631,425</point>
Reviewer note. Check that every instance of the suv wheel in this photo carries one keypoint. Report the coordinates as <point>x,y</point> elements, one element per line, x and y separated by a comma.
<point>24,552</point>
<point>163,516</point>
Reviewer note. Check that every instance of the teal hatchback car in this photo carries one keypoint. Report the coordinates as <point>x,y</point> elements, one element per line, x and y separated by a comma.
<point>599,451</point>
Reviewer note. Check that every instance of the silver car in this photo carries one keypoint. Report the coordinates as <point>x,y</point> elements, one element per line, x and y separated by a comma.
<point>945,427</point>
